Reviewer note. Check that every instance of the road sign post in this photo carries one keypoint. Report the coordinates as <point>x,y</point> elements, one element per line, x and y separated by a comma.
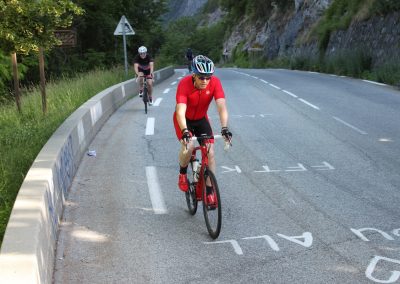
<point>124,28</point>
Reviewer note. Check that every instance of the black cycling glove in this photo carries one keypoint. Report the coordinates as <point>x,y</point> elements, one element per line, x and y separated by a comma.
<point>226,133</point>
<point>186,135</point>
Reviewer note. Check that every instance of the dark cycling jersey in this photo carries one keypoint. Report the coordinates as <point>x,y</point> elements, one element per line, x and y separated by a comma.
<point>144,63</point>
<point>189,55</point>
<point>197,101</point>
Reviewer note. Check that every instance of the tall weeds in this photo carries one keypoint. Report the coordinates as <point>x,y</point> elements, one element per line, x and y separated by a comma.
<point>23,135</point>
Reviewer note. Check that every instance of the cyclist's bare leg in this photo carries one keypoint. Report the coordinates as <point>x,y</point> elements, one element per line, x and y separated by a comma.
<point>140,84</point>
<point>211,161</point>
<point>150,87</point>
<point>185,154</point>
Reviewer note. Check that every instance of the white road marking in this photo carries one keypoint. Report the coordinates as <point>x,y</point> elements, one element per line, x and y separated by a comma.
<point>289,93</point>
<point>234,243</point>
<point>264,81</point>
<point>324,167</point>
<point>166,91</point>
<point>157,102</point>
<point>228,169</point>
<point>394,274</point>
<point>173,83</point>
<point>299,168</point>
<point>269,240</point>
<point>309,104</point>
<point>276,87</point>
<point>156,197</point>
<point>307,239</point>
<point>267,170</point>
<point>150,126</point>
<point>351,126</point>
<point>376,83</point>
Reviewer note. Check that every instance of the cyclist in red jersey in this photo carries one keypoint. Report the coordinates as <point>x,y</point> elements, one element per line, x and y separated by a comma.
<point>193,97</point>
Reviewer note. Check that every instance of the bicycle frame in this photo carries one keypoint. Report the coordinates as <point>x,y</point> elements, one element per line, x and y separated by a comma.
<point>204,148</point>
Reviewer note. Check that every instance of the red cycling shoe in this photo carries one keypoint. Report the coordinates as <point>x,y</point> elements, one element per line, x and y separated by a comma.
<point>211,201</point>
<point>183,182</point>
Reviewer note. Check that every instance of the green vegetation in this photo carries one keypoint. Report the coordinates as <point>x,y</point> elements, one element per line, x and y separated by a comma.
<point>184,33</point>
<point>96,45</point>
<point>22,135</point>
<point>343,12</point>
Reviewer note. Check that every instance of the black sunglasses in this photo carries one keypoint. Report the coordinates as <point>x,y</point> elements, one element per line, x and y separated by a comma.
<point>202,78</point>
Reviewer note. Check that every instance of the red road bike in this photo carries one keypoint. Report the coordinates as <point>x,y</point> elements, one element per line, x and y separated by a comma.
<point>201,176</point>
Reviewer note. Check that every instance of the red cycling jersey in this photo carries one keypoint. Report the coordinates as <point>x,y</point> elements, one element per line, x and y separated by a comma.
<point>197,101</point>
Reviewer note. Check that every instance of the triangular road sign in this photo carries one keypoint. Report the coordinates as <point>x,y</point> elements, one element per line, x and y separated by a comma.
<point>128,28</point>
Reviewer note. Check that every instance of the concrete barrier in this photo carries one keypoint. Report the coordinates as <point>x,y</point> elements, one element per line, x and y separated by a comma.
<point>28,248</point>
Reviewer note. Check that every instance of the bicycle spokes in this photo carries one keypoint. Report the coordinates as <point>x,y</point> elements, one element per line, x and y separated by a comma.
<point>212,205</point>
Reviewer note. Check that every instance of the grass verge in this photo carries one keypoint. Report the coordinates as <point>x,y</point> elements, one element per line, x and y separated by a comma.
<point>22,135</point>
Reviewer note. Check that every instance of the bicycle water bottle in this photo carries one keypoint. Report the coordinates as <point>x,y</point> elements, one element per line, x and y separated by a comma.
<point>196,169</point>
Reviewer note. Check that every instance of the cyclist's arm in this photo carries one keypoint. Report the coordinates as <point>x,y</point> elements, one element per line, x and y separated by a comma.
<point>222,111</point>
<point>180,115</point>
<point>151,67</point>
<point>136,68</point>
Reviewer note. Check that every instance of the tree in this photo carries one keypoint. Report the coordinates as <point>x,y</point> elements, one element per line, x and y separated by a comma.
<point>29,25</point>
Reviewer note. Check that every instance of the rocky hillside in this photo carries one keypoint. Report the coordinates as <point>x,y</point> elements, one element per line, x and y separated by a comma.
<point>292,32</point>
<point>182,8</point>
<point>289,34</point>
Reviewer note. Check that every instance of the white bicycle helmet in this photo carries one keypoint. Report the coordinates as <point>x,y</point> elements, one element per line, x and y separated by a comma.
<point>202,65</point>
<point>142,49</point>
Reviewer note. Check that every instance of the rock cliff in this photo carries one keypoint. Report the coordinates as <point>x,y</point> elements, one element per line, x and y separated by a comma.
<point>183,8</point>
<point>288,34</point>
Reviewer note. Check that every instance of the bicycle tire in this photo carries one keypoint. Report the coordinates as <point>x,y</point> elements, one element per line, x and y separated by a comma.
<point>191,199</point>
<point>212,214</point>
<point>145,99</point>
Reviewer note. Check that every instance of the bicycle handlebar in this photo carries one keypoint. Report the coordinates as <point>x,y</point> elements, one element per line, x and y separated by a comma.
<point>227,144</point>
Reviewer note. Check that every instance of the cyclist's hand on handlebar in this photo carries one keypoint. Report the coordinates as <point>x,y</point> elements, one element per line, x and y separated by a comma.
<point>186,135</point>
<point>226,134</point>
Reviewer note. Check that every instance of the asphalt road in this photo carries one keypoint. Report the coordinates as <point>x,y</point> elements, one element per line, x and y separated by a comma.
<point>310,189</point>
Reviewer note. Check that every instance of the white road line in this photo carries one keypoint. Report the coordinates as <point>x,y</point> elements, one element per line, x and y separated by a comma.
<point>264,81</point>
<point>289,93</point>
<point>150,126</point>
<point>351,126</point>
<point>309,104</point>
<point>166,91</point>
<point>156,196</point>
<point>173,83</point>
<point>157,102</point>
<point>376,83</point>
<point>276,87</point>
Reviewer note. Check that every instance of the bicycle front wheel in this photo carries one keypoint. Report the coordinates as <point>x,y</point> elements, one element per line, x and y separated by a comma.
<point>212,204</point>
<point>145,99</point>
<point>191,199</point>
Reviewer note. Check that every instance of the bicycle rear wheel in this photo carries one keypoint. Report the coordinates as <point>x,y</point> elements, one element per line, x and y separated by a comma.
<point>212,212</point>
<point>145,99</point>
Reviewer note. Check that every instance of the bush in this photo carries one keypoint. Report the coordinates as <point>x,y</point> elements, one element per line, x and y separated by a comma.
<point>383,7</point>
<point>389,73</point>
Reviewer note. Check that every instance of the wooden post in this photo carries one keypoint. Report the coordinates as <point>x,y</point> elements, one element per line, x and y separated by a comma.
<point>42,80</point>
<point>16,81</point>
